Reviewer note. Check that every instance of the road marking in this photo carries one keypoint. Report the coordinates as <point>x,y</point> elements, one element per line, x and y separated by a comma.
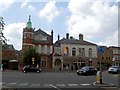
<point>11,84</point>
<point>85,84</point>
<point>73,84</point>
<point>55,87</point>
<point>23,84</point>
<point>47,85</point>
<point>60,85</point>
<point>35,85</point>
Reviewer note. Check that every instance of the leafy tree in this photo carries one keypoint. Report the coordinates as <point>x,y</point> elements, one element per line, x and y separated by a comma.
<point>29,54</point>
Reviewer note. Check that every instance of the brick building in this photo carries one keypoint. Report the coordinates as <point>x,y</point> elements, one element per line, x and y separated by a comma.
<point>9,57</point>
<point>41,41</point>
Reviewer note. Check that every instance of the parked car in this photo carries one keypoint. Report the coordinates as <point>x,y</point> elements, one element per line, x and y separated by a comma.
<point>114,69</point>
<point>31,68</point>
<point>87,70</point>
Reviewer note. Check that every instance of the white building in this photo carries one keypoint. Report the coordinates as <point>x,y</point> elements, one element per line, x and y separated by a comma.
<point>74,53</point>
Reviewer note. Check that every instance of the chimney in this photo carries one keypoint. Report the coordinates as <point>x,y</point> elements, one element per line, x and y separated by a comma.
<point>81,37</point>
<point>52,35</point>
<point>58,37</point>
<point>67,35</point>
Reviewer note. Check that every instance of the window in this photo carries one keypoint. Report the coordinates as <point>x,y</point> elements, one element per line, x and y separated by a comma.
<point>67,49</point>
<point>48,49</point>
<point>42,49</point>
<point>80,52</point>
<point>90,52</point>
<point>83,52</point>
<point>73,51</point>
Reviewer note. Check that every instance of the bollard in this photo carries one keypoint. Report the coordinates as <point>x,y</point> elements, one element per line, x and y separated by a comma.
<point>98,77</point>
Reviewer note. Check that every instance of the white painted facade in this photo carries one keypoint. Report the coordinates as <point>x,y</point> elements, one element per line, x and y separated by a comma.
<point>77,46</point>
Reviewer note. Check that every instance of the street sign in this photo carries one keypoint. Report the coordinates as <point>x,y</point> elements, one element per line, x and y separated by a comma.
<point>100,50</point>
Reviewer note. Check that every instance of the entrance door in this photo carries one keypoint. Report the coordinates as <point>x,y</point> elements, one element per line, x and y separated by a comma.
<point>57,64</point>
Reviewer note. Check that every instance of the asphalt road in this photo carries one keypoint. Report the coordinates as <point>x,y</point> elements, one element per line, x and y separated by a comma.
<point>53,80</point>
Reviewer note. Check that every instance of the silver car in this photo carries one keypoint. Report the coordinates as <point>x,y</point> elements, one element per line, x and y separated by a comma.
<point>114,69</point>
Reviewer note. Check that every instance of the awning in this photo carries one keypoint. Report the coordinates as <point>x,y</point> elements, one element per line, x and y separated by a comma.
<point>13,60</point>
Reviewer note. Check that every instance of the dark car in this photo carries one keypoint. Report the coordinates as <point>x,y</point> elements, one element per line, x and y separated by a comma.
<point>31,68</point>
<point>114,69</point>
<point>87,70</point>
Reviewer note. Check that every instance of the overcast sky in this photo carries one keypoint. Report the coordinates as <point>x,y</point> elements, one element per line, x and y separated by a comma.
<point>97,20</point>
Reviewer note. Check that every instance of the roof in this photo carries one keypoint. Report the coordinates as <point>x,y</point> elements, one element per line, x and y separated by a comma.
<point>8,47</point>
<point>41,32</point>
<point>72,41</point>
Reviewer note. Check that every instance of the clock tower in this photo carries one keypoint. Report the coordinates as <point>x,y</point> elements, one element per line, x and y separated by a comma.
<point>28,33</point>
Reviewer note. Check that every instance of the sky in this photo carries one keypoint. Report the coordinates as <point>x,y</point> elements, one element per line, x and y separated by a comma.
<point>97,20</point>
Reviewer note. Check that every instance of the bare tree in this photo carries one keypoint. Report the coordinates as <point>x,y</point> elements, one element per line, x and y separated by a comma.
<point>3,40</point>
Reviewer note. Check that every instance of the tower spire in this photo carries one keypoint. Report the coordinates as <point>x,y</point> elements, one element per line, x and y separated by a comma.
<point>29,18</point>
<point>29,23</point>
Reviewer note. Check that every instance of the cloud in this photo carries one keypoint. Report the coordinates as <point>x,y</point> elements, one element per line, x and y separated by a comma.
<point>13,32</point>
<point>95,19</point>
<point>110,40</point>
<point>49,12</point>
<point>25,4</point>
<point>4,4</point>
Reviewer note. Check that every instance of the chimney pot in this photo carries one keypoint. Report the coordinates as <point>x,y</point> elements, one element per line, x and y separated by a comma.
<point>67,35</point>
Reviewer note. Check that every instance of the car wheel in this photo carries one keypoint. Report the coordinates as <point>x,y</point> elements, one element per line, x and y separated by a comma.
<point>25,71</point>
<point>38,71</point>
<point>78,73</point>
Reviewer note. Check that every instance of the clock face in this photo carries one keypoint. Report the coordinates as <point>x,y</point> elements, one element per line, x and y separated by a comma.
<point>41,37</point>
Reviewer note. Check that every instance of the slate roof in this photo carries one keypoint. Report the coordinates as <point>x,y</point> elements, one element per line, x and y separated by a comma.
<point>8,47</point>
<point>72,41</point>
<point>41,32</point>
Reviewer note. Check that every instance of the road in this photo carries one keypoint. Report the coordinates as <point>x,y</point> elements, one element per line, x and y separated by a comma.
<point>53,80</point>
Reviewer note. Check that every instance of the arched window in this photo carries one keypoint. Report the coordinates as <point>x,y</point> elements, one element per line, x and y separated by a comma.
<point>90,52</point>
<point>83,52</point>
<point>73,51</point>
<point>80,52</point>
<point>67,49</point>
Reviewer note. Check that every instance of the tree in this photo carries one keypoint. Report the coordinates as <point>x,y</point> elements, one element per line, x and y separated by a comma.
<point>2,38</point>
<point>28,56</point>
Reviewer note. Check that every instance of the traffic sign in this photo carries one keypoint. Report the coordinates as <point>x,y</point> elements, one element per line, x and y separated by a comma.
<point>100,50</point>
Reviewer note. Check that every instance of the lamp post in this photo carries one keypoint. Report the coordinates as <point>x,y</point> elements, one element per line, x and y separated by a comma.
<point>100,51</point>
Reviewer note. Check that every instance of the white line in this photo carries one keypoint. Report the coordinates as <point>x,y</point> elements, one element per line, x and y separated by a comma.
<point>35,85</point>
<point>47,85</point>
<point>11,84</point>
<point>85,84</point>
<point>60,85</point>
<point>23,84</point>
<point>55,87</point>
<point>73,84</point>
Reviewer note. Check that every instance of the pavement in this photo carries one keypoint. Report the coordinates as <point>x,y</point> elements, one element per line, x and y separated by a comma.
<point>106,86</point>
<point>103,84</point>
